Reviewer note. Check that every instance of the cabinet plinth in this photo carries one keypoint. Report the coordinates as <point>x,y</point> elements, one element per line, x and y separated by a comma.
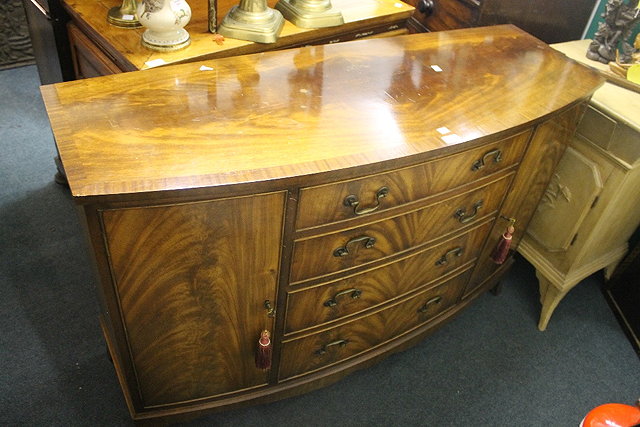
<point>348,217</point>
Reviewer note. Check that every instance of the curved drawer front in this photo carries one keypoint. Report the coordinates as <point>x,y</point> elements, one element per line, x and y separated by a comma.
<point>326,348</point>
<point>360,197</point>
<point>317,305</point>
<point>318,256</point>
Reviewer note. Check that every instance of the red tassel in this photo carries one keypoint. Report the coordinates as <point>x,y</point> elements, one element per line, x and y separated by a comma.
<point>264,350</point>
<point>499,254</point>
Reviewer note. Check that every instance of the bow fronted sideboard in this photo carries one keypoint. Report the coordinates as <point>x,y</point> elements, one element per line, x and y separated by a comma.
<point>346,198</point>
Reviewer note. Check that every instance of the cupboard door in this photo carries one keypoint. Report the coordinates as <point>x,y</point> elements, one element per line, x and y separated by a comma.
<point>192,281</point>
<point>566,202</point>
<point>545,150</point>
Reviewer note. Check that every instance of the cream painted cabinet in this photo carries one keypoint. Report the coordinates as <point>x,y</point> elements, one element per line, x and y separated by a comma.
<point>592,204</point>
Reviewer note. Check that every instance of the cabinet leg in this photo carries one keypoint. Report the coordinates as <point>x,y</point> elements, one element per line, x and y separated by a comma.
<point>61,176</point>
<point>609,269</point>
<point>497,288</point>
<point>550,296</point>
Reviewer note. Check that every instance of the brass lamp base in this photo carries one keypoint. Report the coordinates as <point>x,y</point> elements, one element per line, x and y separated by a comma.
<point>123,16</point>
<point>310,13</point>
<point>262,26</point>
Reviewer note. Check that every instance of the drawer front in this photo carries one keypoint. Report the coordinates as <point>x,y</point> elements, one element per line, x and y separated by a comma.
<point>89,60</point>
<point>364,196</point>
<point>326,348</point>
<point>342,250</point>
<point>328,302</point>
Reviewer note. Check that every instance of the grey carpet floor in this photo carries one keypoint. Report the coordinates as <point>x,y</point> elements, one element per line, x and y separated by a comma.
<point>488,367</point>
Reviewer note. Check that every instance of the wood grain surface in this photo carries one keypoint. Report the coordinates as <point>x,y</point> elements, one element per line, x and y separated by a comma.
<point>305,111</point>
<point>192,318</point>
<point>315,257</point>
<point>326,203</point>
<point>305,354</point>
<point>308,307</point>
<point>546,148</point>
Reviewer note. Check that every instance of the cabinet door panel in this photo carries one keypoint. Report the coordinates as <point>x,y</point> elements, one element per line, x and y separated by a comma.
<point>191,281</point>
<point>566,201</point>
<point>545,150</point>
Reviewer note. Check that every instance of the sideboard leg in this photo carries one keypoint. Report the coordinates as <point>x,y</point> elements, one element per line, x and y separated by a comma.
<point>497,289</point>
<point>61,176</point>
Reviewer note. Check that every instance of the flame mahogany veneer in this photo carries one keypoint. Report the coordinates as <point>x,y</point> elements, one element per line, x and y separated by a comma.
<point>344,197</point>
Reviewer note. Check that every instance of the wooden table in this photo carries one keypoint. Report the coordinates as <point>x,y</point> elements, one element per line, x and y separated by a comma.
<point>100,48</point>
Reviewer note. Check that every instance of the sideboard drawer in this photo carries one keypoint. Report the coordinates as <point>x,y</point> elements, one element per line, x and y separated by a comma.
<point>360,197</point>
<point>317,256</point>
<point>335,300</point>
<point>614,136</point>
<point>326,348</point>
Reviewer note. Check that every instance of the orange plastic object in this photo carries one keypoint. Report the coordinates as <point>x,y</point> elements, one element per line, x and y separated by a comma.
<point>612,415</point>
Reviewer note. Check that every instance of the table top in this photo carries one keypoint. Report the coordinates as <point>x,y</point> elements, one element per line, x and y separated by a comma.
<point>299,112</point>
<point>125,43</point>
<point>615,100</point>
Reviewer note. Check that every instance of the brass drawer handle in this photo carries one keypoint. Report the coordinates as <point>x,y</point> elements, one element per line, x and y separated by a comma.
<point>355,294</point>
<point>344,250</point>
<point>463,217</point>
<point>479,164</point>
<point>325,348</point>
<point>425,307</point>
<point>352,201</point>
<point>445,258</point>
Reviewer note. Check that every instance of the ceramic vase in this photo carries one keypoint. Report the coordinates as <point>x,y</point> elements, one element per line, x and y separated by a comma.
<point>164,21</point>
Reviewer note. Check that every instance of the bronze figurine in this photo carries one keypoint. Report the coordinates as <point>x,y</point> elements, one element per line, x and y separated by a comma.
<point>619,21</point>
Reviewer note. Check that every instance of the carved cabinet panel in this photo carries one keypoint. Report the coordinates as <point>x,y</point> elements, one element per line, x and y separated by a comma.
<point>572,191</point>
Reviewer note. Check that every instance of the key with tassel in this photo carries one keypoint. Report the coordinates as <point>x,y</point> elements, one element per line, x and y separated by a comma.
<point>264,349</point>
<point>501,251</point>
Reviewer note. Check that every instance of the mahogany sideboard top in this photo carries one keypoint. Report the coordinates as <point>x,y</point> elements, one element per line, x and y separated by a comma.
<point>259,117</point>
<point>362,18</point>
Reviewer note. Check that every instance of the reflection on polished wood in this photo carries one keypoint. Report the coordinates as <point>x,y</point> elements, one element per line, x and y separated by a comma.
<point>251,119</point>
